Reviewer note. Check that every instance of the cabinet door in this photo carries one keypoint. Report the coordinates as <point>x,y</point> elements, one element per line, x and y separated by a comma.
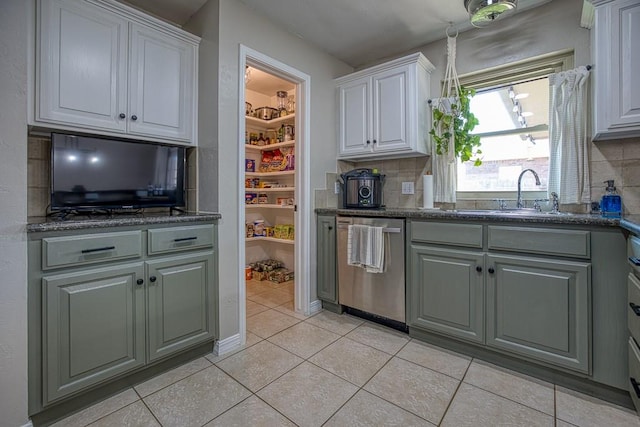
<point>82,66</point>
<point>390,116</point>
<point>617,70</point>
<point>540,308</point>
<point>446,292</point>
<point>93,327</point>
<point>326,250</point>
<point>181,296</point>
<point>355,119</point>
<point>162,85</point>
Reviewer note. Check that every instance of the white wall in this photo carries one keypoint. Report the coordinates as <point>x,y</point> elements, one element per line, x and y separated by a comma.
<point>13,212</point>
<point>237,25</point>
<point>550,28</point>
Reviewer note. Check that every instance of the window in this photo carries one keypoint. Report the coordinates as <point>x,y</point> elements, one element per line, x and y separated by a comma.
<point>512,106</point>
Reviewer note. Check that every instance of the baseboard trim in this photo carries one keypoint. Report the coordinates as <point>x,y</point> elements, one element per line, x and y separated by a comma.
<point>226,345</point>
<point>315,307</point>
<point>29,424</point>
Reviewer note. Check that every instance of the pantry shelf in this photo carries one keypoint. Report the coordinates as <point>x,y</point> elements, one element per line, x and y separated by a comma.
<point>270,146</point>
<point>269,190</point>
<point>263,174</point>
<point>270,239</point>
<point>267,205</point>
<point>270,123</point>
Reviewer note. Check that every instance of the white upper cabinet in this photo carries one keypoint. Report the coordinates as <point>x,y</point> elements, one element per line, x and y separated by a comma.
<point>383,110</point>
<point>617,69</point>
<point>161,85</point>
<point>106,68</point>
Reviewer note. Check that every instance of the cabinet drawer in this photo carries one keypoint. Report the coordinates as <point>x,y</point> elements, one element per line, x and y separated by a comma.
<point>633,297</point>
<point>163,240</point>
<point>568,243</point>
<point>634,372</point>
<point>91,248</point>
<point>447,234</point>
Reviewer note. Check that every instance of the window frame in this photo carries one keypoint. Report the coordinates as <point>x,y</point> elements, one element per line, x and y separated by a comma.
<point>510,74</point>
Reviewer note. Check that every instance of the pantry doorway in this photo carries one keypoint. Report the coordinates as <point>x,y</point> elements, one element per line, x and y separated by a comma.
<point>275,211</point>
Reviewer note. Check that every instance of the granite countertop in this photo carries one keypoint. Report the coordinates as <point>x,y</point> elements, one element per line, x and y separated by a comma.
<point>477,215</point>
<point>79,222</point>
<point>631,223</point>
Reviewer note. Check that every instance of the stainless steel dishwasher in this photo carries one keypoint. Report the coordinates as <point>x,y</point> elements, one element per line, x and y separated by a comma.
<point>379,294</point>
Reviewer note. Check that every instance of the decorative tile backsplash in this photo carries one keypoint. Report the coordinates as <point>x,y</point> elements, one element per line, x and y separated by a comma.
<point>618,160</point>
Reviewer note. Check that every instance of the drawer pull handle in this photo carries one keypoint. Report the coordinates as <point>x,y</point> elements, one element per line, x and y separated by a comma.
<point>184,239</point>
<point>106,248</point>
<point>635,308</point>
<point>635,385</point>
<point>634,261</point>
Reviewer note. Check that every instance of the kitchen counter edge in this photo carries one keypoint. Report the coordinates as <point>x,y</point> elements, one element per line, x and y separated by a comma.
<point>42,224</point>
<point>574,219</point>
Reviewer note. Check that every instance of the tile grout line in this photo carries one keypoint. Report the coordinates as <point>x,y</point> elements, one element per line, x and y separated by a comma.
<point>453,396</point>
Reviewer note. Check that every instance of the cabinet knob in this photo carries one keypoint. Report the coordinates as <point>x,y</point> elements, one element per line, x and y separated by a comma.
<point>368,142</point>
<point>152,279</point>
<point>491,270</point>
<point>122,115</point>
<point>374,141</point>
<point>139,281</point>
<point>134,117</point>
<point>479,269</point>
<point>330,227</point>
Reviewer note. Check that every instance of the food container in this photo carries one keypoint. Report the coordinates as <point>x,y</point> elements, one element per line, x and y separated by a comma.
<point>268,231</point>
<point>263,198</point>
<point>250,198</point>
<point>248,272</point>
<point>249,229</point>
<point>266,113</point>
<point>249,165</point>
<point>258,228</point>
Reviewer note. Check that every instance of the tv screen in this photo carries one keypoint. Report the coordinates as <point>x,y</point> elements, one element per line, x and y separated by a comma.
<point>101,173</point>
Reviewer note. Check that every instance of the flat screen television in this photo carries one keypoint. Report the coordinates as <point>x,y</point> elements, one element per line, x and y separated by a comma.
<point>90,173</point>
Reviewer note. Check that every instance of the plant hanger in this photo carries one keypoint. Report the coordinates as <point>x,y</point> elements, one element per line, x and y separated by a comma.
<point>452,119</point>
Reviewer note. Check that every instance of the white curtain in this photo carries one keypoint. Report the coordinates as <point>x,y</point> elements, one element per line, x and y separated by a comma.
<point>568,141</point>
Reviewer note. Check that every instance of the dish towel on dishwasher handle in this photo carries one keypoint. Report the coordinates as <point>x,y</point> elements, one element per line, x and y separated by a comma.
<point>365,247</point>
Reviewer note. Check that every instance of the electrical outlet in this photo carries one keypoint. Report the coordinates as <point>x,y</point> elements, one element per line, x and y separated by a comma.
<point>336,188</point>
<point>407,188</point>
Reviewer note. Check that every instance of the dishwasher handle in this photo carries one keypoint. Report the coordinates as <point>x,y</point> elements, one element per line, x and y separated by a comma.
<point>393,230</point>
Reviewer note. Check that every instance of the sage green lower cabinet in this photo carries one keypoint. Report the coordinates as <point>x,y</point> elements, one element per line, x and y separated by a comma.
<point>326,256</point>
<point>96,319</point>
<point>540,308</point>
<point>93,327</point>
<point>446,291</point>
<point>180,293</point>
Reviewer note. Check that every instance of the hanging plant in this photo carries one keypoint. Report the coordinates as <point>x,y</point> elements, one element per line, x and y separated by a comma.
<point>453,119</point>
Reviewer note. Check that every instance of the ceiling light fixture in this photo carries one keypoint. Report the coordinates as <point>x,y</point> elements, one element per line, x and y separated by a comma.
<point>483,12</point>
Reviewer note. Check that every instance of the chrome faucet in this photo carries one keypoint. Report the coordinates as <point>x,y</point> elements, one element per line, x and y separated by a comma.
<point>520,205</point>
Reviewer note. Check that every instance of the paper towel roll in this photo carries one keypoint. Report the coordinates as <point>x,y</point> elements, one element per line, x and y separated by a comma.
<point>427,192</point>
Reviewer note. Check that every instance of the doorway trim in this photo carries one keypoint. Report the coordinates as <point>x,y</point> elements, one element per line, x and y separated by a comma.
<point>302,215</point>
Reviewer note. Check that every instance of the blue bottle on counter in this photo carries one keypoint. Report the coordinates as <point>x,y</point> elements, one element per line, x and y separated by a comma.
<point>611,205</point>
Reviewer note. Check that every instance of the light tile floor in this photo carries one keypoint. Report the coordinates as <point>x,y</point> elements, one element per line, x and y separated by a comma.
<point>341,371</point>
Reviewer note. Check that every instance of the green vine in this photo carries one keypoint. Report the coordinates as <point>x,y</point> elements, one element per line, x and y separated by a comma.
<point>466,145</point>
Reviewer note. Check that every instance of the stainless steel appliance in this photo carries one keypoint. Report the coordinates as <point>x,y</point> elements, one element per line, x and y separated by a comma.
<point>380,294</point>
<point>362,188</point>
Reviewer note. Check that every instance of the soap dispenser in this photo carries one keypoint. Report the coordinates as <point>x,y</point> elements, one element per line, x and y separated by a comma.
<point>611,205</point>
